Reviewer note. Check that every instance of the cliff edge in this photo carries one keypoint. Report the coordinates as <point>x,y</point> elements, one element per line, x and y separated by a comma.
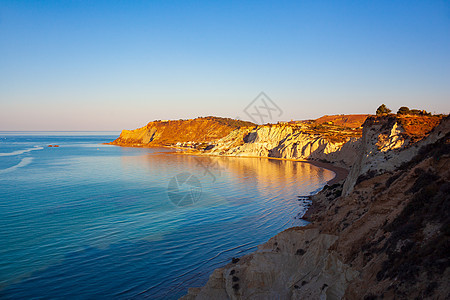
<point>327,139</point>
<point>192,132</point>
<point>313,140</point>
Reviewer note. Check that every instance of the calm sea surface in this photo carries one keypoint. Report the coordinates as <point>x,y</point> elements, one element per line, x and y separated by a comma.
<point>86,220</point>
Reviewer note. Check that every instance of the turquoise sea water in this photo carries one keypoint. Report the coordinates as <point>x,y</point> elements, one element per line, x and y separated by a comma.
<point>86,220</point>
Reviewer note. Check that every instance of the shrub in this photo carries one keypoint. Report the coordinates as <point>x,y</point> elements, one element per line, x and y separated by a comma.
<point>383,110</point>
<point>403,111</point>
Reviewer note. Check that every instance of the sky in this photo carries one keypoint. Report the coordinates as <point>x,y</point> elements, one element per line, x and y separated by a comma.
<point>112,65</point>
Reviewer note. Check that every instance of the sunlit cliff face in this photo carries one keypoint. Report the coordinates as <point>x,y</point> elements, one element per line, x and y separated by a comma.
<point>162,133</point>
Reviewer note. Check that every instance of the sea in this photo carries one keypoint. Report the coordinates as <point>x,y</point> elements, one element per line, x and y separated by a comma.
<point>86,220</point>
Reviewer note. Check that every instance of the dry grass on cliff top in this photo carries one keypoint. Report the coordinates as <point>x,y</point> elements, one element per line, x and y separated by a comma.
<point>205,129</point>
<point>350,121</point>
<point>340,127</point>
<point>335,128</point>
<point>334,133</point>
<point>418,127</point>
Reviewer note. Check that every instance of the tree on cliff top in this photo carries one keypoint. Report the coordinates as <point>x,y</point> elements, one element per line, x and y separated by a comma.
<point>416,112</point>
<point>383,110</point>
<point>403,111</point>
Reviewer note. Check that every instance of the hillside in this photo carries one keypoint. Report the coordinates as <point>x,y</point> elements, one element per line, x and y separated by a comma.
<point>417,127</point>
<point>382,234</point>
<point>351,121</point>
<point>192,132</point>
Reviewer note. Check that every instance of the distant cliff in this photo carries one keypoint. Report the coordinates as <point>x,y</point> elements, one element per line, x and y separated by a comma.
<point>329,139</point>
<point>193,132</point>
<point>383,234</point>
<point>326,142</point>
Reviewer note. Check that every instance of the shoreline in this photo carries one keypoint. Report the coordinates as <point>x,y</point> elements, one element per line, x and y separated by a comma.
<point>340,172</point>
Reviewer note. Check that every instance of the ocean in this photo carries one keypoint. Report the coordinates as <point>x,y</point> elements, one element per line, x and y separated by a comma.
<point>88,220</point>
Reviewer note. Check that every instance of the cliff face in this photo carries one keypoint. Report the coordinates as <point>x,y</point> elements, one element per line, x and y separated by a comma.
<point>386,237</point>
<point>330,138</point>
<point>292,141</point>
<point>295,264</point>
<point>169,133</point>
<point>386,144</point>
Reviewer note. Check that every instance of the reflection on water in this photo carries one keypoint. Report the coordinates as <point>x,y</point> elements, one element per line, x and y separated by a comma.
<point>96,221</point>
<point>269,176</point>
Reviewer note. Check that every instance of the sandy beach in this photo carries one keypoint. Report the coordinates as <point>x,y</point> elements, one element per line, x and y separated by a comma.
<point>341,173</point>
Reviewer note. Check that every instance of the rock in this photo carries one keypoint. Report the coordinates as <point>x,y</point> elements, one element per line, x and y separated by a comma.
<point>385,146</point>
<point>288,141</point>
<point>276,271</point>
<point>170,133</point>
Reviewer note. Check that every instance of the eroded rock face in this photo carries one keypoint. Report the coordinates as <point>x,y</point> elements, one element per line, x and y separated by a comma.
<point>219,136</point>
<point>289,142</point>
<point>384,147</point>
<point>295,264</point>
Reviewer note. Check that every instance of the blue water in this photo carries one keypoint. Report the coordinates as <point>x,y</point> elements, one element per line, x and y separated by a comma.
<point>86,220</point>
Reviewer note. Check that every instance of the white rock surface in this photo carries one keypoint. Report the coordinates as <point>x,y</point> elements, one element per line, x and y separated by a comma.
<point>285,141</point>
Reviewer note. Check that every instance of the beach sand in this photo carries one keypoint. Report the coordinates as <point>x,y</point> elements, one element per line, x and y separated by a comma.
<point>341,173</point>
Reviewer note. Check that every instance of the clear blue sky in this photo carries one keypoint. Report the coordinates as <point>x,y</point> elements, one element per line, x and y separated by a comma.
<point>108,65</point>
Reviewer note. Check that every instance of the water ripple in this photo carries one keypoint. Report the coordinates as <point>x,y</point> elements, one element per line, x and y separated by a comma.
<point>24,162</point>
<point>99,224</point>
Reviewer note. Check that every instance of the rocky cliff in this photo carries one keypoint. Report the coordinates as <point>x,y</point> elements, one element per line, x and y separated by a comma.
<point>325,142</point>
<point>330,138</point>
<point>193,132</point>
<point>383,234</point>
<point>388,142</point>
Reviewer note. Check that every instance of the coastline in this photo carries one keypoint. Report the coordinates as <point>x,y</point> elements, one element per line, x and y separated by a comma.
<point>355,246</point>
<point>340,173</point>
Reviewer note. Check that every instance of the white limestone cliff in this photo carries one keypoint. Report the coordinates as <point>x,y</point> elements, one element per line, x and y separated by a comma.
<point>286,141</point>
<point>383,147</point>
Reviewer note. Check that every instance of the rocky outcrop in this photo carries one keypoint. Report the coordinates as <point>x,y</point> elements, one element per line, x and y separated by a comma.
<point>320,140</point>
<point>387,237</point>
<point>294,264</point>
<point>199,131</point>
<point>393,228</point>
<point>385,146</point>
<point>291,141</point>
